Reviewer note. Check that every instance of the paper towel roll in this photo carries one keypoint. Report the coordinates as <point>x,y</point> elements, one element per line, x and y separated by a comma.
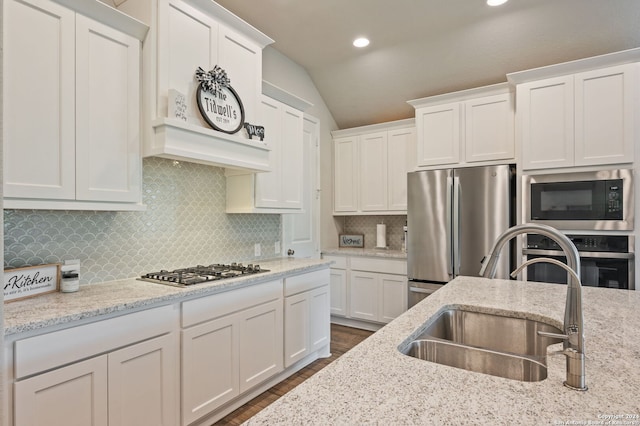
<point>381,235</point>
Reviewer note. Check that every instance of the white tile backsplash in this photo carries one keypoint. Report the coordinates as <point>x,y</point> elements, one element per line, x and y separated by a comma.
<point>184,224</point>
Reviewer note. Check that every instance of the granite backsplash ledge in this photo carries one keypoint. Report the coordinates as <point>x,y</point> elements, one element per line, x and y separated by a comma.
<point>185,224</point>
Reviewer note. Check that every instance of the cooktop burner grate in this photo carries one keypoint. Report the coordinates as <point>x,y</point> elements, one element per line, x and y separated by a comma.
<point>185,277</point>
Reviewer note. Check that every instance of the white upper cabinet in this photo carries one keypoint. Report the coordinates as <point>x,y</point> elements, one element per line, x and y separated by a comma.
<point>439,130</point>
<point>108,160</point>
<point>470,126</point>
<point>280,189</point>
<point>545,116</point>
<point>71,135</point>
<point>373,171</point>
<point>370,168</point>
<point>605,115</point>
<point>580,113</point>
<point>345,174</point>
<point>185,35</point>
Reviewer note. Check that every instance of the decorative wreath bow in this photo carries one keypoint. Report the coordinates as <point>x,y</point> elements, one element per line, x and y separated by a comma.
<point>210,80</point>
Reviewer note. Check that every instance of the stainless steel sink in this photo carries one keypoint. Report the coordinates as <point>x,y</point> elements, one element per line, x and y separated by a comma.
<point>499,345</point>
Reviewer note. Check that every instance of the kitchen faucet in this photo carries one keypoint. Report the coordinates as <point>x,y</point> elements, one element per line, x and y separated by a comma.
<point>573,337</point>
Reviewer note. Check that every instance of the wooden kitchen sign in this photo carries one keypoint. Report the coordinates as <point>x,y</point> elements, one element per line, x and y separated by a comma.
<point>30,281</point>
<point>218,103</point>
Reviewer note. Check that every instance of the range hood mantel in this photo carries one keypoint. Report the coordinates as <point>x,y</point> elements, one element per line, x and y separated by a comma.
<point>177,140</point>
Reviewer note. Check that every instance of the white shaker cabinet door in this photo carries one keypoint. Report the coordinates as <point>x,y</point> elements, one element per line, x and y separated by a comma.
<point>489,131</point>
<point>39,106</point>
<point>187,39</point>
<point>545,110</point>
<point>439,134</point>
<point>143,383</point>
<point>241,58</point>
<point>268,184</point>
<point>373,171</point>
<point>364,295</point>
<point>261,343</point>
<point>296,328</point>
<point>108,156</point>
<point>401,148</point>
<point>339,292</point>
<point>210,374</point>
<point>75,395</point>
<point>605,115</point>
<point>393,298</point>
<point>345,185</point>
<point>292,158</point>
<point>319,322</point>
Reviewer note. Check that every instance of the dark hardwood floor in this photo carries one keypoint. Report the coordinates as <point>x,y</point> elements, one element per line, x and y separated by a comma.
<point>342,339</point>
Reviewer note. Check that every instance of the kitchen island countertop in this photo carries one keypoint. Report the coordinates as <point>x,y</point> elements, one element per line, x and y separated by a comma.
<point>93,300</point>
<point>375,384</point>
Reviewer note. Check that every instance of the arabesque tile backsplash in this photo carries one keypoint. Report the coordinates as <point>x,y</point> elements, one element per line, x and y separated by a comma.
<point>184,224</point>
<point>366,225</point>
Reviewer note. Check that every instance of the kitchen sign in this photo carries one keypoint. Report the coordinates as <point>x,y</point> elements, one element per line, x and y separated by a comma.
<point>218,103</point>
<point>351,240</point>
<point>30,281</point>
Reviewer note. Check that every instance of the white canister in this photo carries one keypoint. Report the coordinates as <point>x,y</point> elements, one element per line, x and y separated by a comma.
<point>70,282</point>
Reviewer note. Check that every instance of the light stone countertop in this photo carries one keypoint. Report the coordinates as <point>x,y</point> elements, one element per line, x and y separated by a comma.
<point>366,252</point>
<point>375,384</point>
<point>93,300</point>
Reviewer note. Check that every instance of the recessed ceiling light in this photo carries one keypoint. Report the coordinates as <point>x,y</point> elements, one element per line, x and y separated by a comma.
<point>496,2</point>
<point>361,42</point>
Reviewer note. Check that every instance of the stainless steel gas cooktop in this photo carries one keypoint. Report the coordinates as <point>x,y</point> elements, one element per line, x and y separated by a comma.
<point>186,277</point>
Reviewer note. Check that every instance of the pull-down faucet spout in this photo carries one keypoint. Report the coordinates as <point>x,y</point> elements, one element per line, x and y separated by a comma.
<point>573,319</point>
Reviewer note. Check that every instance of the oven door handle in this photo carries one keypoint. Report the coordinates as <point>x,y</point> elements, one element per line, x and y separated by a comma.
<point>583,254</point>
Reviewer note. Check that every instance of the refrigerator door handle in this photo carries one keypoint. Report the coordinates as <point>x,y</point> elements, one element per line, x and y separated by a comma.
<point>456,226</point>
<point>449,226</point>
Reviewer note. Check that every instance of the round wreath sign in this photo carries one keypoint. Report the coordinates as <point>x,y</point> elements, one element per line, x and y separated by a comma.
<point>218,103</point>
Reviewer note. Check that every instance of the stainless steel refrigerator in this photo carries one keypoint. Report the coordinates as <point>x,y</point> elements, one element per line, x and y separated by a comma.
<point>453,218</point>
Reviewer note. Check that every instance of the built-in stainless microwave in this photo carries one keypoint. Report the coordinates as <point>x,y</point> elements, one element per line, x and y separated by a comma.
<point>601,200</point>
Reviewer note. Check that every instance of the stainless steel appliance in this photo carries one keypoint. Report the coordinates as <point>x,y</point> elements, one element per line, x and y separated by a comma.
<point>584,200</point>
<point>453,217</point>
<point>186,277</point>
<point>605,260</point>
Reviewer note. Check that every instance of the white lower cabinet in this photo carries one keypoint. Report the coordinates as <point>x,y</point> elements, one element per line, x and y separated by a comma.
<point>135,385</point>
<point>339,292</point>
<point>367,288</point>
<point>377,297</point>
<point>234,344</point>
<point>51,398</point>
<point>306,313</point>
<point>182,364</point>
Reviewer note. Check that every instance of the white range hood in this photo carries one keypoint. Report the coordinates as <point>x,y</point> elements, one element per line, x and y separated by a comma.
<point>177,140</point>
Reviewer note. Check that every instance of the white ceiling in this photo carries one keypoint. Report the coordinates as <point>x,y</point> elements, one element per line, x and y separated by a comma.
<point>421,48</point>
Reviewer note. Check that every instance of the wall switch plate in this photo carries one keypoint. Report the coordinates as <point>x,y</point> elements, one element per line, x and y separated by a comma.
<point>257,251</point>
<point>276,247</point>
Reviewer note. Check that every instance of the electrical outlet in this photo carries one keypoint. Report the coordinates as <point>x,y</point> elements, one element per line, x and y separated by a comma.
<point>257,251</point>
<point>276,247</point>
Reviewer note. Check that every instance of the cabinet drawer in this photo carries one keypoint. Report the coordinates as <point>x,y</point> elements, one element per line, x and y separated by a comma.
<point>386,266</point>
<point>304,282</point>
<point>339,262</point>
<point>217,305</point>
<point>51,350</point>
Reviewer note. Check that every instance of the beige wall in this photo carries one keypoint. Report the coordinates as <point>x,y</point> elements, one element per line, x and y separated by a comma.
<point>288,75</point>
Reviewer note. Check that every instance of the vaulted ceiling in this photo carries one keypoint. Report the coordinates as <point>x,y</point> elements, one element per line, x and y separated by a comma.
<point>421,48</point>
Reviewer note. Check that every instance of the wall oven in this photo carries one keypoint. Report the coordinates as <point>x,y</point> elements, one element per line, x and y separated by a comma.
<point>606,260</point>
<point>601,200</point>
